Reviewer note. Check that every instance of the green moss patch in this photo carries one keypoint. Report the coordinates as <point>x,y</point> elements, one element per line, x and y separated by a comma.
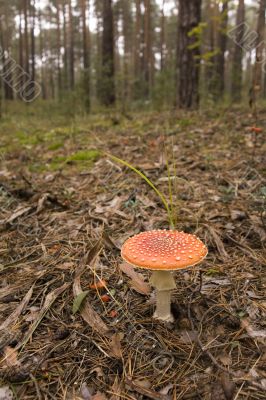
<point>82,158</point>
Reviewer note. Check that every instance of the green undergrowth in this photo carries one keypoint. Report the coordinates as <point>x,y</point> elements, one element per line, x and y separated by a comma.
<point>81,159</point>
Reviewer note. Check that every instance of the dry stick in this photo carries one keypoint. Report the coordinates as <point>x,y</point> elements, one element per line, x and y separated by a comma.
<point>36,387</point>
<point>239,391</point>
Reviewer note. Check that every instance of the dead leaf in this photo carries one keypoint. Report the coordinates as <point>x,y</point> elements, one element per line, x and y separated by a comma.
<point>109,242</point>
<point>6,393</point>
<point>115,345</point>
<point>10,357</point>
<point>188,337</point>
<point>5,173</point>
<point>99,396</point>
<point>237,215</point>
<point>228,386</point>
<point>225,359</point>
<point>19,212</point>
<point>137,280</point>
<point>88,313</point>
<point>32,315</point>
<point>213,283</point>
<point>65,266</point>
<point>245,323</point>
<point>253,295</point>
<point>253,311</point>
<point>144,383</point>
<point>258,227</point>
<point>167,388</point>
<point>99,372</point>
<point>85,391</point>
<point>41,202</point>
<point>217,392</point>
<point>151,394</point>
<point>16,313</point>
<point>218,281</point>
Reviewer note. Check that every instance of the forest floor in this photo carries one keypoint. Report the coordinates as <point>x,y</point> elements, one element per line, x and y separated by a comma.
<point>66,210</point>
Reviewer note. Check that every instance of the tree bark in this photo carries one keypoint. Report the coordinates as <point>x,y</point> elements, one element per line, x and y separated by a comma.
<point>26,37</point>
<point>210,70</point>
<point>58,45</point>
<point>162,37</point>
<point>127,33</point>
<point>32,34</point>
<point>71,46</point>
<point>6,61</point>
<point>257,86</point>
<point>98,9</point>
<point>41,52</point>
<point>66,52</point>
<point>137,49</point>
<point>86,55</point>
<point>238,53</point>
<point>220,58</point>
<point>107,86</point>
<point>188,54</point>
<point>147,47</point>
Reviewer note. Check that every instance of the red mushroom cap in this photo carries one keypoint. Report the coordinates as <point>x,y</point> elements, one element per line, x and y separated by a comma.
<point>163,250</point>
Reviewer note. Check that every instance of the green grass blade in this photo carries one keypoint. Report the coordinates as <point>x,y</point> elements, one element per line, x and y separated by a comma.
<point>170,190</point>
<point>144,177</point>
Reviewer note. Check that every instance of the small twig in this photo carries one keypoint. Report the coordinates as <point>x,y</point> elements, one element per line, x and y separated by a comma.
<point>36,387</point>
<point>239,391</point>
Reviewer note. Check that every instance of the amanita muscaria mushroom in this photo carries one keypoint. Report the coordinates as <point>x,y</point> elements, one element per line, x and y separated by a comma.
<point>163,252</point>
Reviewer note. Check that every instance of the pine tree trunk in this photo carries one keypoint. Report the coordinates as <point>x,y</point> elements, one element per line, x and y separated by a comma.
<point>26,37</point>
<point>51,69</point>
<point>257,86</point>
<point>43,76</point>
<point>147,48</point>
<point>86,55</point>
<point>107,86</point>
<point>137,51</point>
<point>238,53</point>
<point>162,37</point>
<point>32,34</point>
<point>220,58</point>
<point>71,46</point>
<point>188,56</point>
<point>209,68</point>
<point>6,64</point>
<point>58,45</point>
<point>127,21</point>
<point>66,52</point>
<point>21,58</point>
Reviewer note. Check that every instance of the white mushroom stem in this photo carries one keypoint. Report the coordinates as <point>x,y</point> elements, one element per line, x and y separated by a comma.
<point>164,283</point>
